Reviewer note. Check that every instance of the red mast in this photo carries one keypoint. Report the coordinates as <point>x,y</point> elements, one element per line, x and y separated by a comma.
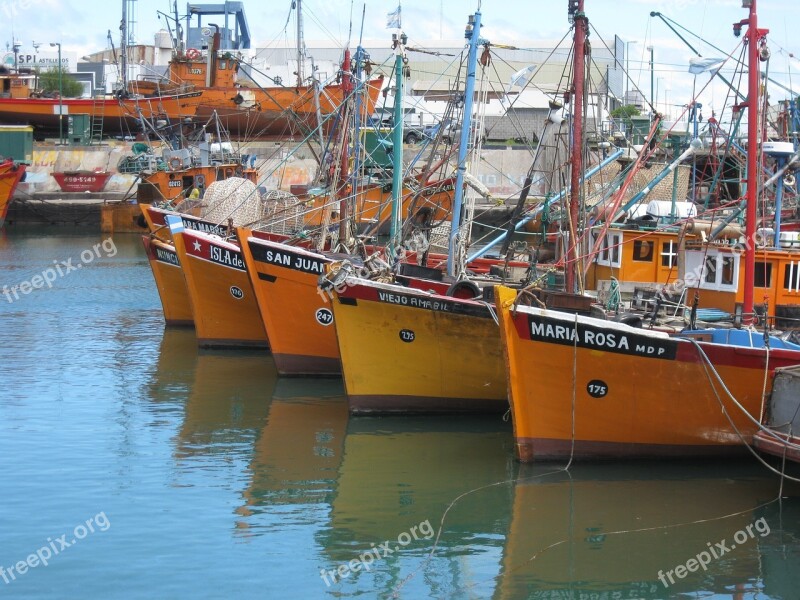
<point>754,36</point>
<point>344,174</point>
<point>576,155</point>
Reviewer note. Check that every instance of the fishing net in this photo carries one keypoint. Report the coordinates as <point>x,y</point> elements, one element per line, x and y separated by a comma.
<point>283,213</point>
<point>233,198</point>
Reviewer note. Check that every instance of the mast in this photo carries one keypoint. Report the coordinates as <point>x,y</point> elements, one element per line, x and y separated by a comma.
<point>754,35</point>
<point>576,152</point>
<point>347,88</point>
<point>472,33</point>
<point>179,45</point>
<point>123,46</point>
<point>299,43</point>
<point>398,43</point>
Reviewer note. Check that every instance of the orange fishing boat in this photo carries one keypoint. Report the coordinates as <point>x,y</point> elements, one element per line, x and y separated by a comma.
<point>298,321</point>
<point>631,392</point>
<point>169,280</point>
<point>20,103</point>
<point>255,111</point>
<point>11,174</point>
<point>223,304</point>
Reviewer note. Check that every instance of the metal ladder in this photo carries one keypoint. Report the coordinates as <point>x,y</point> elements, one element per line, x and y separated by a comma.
<point>98,114</point>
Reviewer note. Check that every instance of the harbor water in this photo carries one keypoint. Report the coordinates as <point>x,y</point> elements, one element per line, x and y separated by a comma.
<point>134,465</point>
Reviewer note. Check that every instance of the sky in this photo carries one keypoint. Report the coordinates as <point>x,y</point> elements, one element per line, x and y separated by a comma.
<point>82,26</point>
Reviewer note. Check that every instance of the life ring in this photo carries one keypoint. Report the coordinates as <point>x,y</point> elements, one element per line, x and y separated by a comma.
<point>176,163</point>
<point>193,54</point>
<point>238,99</point>
<point>464,289</point>
<point>200,180</point>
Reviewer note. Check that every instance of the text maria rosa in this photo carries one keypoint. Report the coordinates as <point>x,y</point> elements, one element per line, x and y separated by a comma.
<point>613,341</point>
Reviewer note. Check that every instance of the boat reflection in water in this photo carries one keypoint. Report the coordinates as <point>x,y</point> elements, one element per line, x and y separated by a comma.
<point>299,449</point>
<point>173,380</point>
<point>620,531</point>
<point>396,480</point>
<point>227,405</point>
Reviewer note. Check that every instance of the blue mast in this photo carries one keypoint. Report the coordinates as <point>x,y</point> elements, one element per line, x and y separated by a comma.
<point>472,33</point>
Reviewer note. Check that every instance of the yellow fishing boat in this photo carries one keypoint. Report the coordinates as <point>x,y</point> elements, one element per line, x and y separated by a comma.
<point>405,350</point>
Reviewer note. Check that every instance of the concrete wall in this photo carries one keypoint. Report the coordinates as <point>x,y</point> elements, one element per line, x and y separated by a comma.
<point>39,178</point>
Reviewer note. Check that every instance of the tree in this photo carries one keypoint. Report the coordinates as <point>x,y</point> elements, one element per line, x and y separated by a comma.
<point>70,87</point>
<point>625,112</point>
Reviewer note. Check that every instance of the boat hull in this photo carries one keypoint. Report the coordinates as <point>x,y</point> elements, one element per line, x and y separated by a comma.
<point>11,174</point>
<point>586,388</point>
<point>277,111</point>
<point>298,321</point>
<point>82,181</point>
<point>782,418</point>
<point>409,351</point>
<point>223,304</point>
<point>170,282</point>
<point>118,116</point>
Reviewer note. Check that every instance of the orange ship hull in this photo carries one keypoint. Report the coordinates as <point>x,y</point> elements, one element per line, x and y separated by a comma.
<point>298,322</point>
<point>170,282</point>
<point>10,176</point>
<point>374,203</point>
<point>637,392</point>
<point>119,116</point>
<point>278,111</point>
<point>222,300</point>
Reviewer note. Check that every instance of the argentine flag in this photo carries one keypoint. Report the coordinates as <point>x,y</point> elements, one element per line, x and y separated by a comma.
<point>393,19</point>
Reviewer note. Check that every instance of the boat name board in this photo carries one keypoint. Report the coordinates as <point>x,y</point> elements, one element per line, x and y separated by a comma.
<point>432,304</point>
<point>598,338</point>
<point>447,187</point>
<point>205,227</point>
<point>226,257</point>
<point>214,253</point>
<point>167,256</point>
<point>290,260</point>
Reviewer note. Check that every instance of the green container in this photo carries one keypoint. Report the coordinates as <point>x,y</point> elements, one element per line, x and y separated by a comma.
<point>640,127</point>
<point>79,130</point>
<point>16,141</point>
<point>375,145</point>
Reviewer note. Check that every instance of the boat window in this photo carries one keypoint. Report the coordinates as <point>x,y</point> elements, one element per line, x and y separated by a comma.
<point>669,254</point>
<point>643,250</point>
<point>610,252</point>
<point>727,270</point>
<point>720,271</point>
<point>710,269</point>
<point>763,275</point>
<point>223,64</point>
<point>791,277</point>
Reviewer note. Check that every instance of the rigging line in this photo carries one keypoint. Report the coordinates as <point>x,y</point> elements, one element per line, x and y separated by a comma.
<point>431,52</point>
<point>291,153</point>
<point>547,58</point>
<point>711,370</point>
